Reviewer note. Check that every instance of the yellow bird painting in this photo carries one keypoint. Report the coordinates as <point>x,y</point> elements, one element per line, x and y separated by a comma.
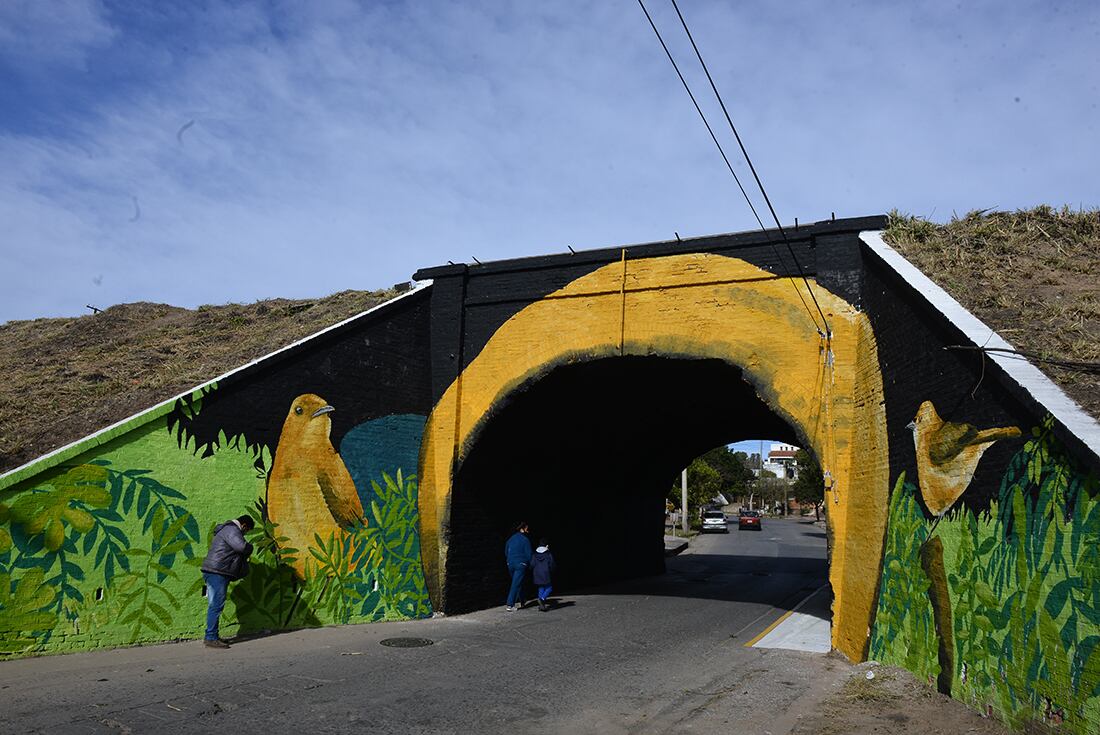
<point>310,491</point>
<point>947,455</point>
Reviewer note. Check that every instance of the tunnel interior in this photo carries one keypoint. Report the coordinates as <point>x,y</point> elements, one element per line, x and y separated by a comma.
<point>586,455</point>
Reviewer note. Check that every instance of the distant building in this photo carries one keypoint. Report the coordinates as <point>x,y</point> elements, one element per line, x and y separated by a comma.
<point>781,461</point>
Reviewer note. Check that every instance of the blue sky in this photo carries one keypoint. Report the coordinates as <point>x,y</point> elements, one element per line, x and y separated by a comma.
<point>752,446</point>
<point>195,153</point>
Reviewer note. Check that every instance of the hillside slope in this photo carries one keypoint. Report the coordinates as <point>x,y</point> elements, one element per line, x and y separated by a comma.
<point>1032,275</point>
<point>67,378</point>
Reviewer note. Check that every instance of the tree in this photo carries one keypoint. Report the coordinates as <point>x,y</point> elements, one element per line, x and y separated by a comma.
<point>772,490</point>
<point>704,483</point>
<point>809,486</point>
<point>736,478</point>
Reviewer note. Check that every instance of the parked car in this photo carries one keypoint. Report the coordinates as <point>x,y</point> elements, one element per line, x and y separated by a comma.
<point>714,520</point>
<point>749,519</point>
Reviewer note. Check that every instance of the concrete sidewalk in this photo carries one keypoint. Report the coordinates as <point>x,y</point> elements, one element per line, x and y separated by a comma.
<point>674,545</point>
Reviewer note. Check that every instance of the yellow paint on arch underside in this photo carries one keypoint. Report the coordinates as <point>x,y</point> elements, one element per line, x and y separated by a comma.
<point>698,306</point>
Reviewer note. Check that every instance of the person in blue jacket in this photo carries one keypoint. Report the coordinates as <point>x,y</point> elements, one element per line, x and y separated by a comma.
<point>542,569</point>
<point>517,554</point>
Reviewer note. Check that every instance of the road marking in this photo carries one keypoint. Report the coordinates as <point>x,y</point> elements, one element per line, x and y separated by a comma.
<point>783,617</point>
<point>769,629</point>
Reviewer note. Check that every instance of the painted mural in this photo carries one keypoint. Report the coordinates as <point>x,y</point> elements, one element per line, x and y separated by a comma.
<point>101,545</point>
<point>999,608</point>
<point>697,306</point>
<point>105,550</point>
<point>965,552</point>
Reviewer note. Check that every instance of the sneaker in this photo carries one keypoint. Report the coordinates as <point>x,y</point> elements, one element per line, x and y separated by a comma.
<point>510,608</point>
<point>543,607</point>
<point>217,643</point>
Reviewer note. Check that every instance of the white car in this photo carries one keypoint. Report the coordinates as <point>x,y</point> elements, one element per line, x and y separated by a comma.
<point>714,520</point>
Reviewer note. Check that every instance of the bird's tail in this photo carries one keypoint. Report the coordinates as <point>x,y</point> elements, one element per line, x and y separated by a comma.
<point>988,436</point>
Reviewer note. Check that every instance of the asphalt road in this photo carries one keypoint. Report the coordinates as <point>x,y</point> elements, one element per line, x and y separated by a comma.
<point>662,654</point>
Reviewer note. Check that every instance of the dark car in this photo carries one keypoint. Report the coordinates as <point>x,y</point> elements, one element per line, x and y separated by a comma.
<point>748,519</point>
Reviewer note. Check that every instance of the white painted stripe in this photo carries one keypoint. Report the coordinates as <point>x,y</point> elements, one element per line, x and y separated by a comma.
<point>1027,376</point>
<point>44,459</point>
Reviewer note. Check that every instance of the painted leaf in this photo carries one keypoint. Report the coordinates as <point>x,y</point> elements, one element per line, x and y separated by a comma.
<point>1058,596</point>
<point>55,535</point>
<point>95,496</point>
<point>143,502</point>
<point>985,594</point>
<point>81,520</point>
<point>164,616</point>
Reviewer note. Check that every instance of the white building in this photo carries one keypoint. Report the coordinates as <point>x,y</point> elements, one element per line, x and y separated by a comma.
<point>781,461</point>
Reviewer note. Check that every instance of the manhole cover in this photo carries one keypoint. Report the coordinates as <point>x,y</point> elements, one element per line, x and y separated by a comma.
<point>406,642</point>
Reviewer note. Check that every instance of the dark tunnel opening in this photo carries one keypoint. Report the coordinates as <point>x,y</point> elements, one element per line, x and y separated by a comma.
<point>586,454</point>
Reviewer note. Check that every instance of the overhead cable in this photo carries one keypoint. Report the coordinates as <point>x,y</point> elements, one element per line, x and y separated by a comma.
<point>752,168</point>
<point>701,115</point>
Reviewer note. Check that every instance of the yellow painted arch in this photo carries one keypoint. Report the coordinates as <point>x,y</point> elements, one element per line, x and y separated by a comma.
<point>700,306</point>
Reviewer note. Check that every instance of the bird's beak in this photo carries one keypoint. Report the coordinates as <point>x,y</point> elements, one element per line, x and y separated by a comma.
<point>322,410</point>
<point>912,425</point>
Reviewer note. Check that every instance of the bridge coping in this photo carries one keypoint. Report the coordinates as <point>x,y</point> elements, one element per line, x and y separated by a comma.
<point>659,248</point>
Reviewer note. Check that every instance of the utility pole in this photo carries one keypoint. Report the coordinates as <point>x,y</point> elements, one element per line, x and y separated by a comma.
<point>760,477</point>
<point>684,498</point>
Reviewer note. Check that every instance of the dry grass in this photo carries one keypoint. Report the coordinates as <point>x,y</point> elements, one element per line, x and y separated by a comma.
<point>861,689</point>
<point>1032,275</point>
<point>66,378</point>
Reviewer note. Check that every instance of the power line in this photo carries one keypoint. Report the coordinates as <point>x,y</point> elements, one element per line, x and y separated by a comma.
<point>729,166</point>
<point>745,153</point>
<point>1075,365</point>
<point>701,115</point>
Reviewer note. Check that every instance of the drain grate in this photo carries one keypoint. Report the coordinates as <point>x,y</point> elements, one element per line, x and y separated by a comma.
<point>406,642</point>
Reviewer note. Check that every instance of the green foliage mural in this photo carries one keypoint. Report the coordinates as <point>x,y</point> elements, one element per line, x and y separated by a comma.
<point>1024,591</point>
<point>106,550</point>
<point>393,544</point>
<point>903,633</point>
<point>78,529</point>
<point>372,572</point>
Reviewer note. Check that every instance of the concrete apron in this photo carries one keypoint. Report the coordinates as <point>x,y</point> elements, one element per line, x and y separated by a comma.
<point>804,628</point>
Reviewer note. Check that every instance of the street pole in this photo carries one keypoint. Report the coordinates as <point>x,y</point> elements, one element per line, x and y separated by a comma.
<point>684,498</point>
<point>760,477</point>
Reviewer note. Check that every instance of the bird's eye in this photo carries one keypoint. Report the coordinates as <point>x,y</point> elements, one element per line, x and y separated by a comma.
<point>298,410</point>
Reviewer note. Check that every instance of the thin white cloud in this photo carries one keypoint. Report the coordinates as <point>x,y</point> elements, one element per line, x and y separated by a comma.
<point>35,33</point>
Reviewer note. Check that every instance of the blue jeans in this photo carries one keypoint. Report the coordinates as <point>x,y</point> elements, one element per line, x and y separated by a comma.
<point>216,587</point>
<point>544,591</point>
<point>515,593</point>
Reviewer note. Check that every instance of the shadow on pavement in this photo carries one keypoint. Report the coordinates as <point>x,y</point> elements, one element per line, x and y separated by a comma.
<point>782,582</point>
